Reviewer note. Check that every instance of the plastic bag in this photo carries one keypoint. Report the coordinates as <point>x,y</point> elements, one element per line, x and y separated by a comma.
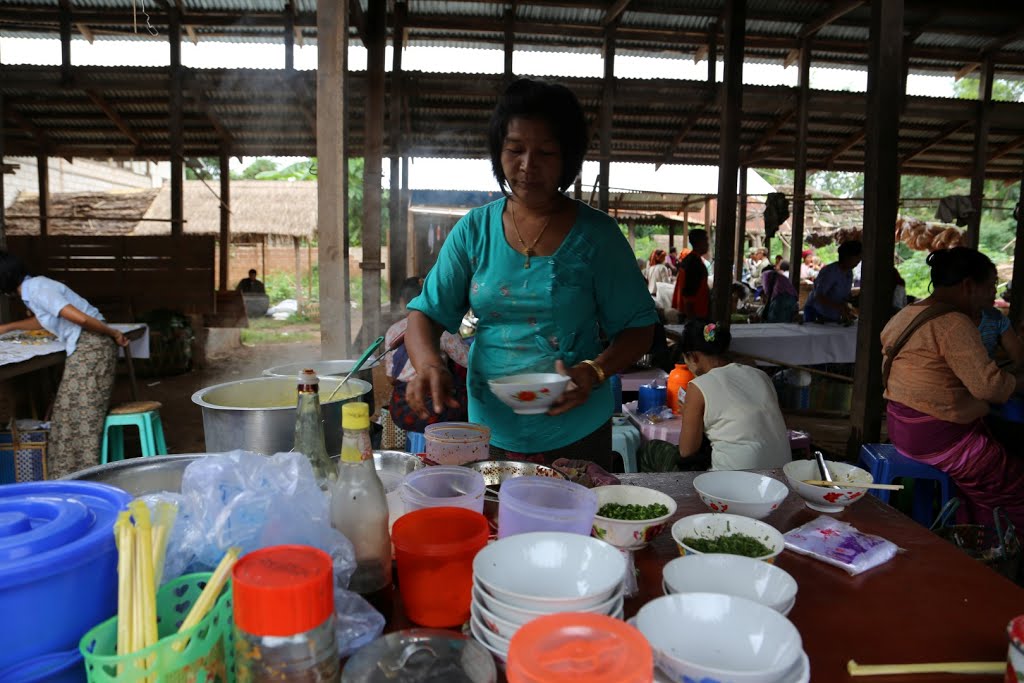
<point>840,545</point>
<point>253,501</point>
<point>358,622</point>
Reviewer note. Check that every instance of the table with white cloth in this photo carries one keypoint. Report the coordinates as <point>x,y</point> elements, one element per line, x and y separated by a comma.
<point>21,353</point>
<point>792,343</point>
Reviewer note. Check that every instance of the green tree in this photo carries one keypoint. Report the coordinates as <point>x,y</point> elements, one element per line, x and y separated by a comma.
<point>253,170</point>
<point>202,168</point>
<point>1008,91</point>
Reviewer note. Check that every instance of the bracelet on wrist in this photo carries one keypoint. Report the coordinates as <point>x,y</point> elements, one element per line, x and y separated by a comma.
<point>596,367</point>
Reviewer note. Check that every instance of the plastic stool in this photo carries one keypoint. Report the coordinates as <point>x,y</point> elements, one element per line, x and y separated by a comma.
<point>887,464</point>
<point>142,414</point>
<point>625,442</point>
<point>616,383</point>
<point>415,442</point>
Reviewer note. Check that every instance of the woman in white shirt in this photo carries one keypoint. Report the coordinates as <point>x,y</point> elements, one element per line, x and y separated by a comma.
<point>734,405</point>
<point>80,408</point>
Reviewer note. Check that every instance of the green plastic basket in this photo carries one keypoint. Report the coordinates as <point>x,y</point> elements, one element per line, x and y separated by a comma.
<point>208,656</point>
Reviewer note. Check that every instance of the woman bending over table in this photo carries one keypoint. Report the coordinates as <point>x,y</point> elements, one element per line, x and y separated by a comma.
<point>735,405</point>
<point>547,276</point>
<point>941,382</point>
<point>83,396</point>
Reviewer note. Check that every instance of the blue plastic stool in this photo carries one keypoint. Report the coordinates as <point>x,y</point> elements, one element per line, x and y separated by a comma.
<point>616,383</point>
<point>886,464</point>
<point>625,442</point>
<point>145,415</point>
<point>415,442</point>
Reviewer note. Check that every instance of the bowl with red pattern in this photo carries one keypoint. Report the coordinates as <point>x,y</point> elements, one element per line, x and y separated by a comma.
<point>827,498</point>
<point>532,393</point>
<point>740,493</point>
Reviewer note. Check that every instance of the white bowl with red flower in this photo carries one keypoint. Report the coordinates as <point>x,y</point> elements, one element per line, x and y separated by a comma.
<point>532,393</point>
<point>827,498</point>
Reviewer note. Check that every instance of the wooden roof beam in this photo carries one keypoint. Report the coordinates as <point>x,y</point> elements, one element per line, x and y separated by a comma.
<point>840,10</point>
<point>687,126</point>
<point>614,12</point>
<point>203,105</point>
<point>86,32</point>
<point>357,20</point>
<point>27,126</point>
<point>192,35</point>
<point>948,131</point>
<point>114,117</point>
<point>842,148</point>
<point>770,133</point>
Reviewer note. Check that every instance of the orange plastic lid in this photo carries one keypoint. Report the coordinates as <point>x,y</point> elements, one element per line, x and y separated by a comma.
<point>283,590</point>
<point>576,646</point>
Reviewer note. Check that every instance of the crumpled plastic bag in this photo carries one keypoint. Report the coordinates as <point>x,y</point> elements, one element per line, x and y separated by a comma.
<point>840,545</point>
<point>359,623</point>
<point>252,501</point>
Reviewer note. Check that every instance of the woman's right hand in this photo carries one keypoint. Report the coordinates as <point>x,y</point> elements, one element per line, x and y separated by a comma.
<point>430,389</point>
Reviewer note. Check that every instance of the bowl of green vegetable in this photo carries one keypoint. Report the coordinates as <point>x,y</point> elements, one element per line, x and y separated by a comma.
<point>628,517</point>
<point>716,532</point>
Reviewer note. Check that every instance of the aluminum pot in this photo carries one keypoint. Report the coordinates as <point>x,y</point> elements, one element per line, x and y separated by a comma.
<point>259,414</point>
<point>139,476</point>
<point>327,368</point>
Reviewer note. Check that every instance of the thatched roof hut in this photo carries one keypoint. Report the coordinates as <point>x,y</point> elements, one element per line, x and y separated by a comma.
<point>91,214</point>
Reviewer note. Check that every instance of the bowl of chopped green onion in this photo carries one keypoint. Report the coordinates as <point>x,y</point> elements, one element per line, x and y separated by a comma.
<point>715,532</point>
<point>628,517</point>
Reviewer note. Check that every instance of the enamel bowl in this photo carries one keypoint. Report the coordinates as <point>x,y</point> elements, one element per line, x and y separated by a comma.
<point>714,637</point>
<point>825,498</point>
<point>715,524</point>
<point>736,575</point>
<point>550,571</point>
<point>629,534</point>
<point>740,493</point>
<point>518,616</point>
<point>529,394</point>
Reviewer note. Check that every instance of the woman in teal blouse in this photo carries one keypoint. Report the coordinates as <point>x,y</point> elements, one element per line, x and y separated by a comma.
<point>547,276</point>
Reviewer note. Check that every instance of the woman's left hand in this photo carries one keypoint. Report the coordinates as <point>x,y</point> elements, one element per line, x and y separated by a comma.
<point>120,339</point>
<point>583,379</point>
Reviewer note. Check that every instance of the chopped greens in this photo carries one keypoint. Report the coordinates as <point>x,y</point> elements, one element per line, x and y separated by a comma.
<point>632,512</point>
<point>733,544</point>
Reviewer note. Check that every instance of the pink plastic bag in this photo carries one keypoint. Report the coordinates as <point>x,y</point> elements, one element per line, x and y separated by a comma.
<point>840,545</point>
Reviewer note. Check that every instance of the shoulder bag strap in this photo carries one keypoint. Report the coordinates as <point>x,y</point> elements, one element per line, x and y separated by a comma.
<point>930,313</point>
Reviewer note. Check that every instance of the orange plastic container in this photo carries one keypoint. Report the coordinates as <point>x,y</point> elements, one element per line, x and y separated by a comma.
<point>678,379</point>
<point>573,647</point>
<point>434,549</point>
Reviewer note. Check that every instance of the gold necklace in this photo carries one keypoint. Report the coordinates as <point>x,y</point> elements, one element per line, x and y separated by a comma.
<point>527,248</point>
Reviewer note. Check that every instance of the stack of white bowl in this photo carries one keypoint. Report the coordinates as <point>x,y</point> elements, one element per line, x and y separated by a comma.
<point>526,576</point>
<point>736,575</point>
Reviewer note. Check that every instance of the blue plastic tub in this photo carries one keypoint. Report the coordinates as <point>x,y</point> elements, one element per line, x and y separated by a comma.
<point>60,667</point>
<point>58,570</point>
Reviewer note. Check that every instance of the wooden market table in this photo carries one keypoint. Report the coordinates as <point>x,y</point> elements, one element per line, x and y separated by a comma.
<point>930,603</point>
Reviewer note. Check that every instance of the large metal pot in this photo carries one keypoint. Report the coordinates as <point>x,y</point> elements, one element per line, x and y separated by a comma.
<point>259,414</point>
<point>139,476</point>
<point>327,368</point>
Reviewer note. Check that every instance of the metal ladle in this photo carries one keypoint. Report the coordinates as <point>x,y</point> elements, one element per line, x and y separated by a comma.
<point>359,364</point>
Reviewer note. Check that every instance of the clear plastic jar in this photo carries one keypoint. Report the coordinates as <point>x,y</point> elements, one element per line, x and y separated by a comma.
<point>307,657</point>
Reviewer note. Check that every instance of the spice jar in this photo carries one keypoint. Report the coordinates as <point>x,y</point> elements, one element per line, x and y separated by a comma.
<point>284,616</point>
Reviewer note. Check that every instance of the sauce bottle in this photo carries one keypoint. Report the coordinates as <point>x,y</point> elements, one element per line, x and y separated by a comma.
<point>309,428</point>
<point>359,508</point>
<point>678,380</point>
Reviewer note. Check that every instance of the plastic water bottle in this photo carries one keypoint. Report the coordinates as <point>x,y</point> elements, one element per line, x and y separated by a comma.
<point>359,506</point>
<point>309,428</point>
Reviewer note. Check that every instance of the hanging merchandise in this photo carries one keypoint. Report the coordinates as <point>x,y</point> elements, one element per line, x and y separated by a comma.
<point>776,211</point>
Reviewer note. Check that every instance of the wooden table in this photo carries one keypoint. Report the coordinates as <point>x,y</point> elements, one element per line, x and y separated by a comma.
<point>796,344</point>
<point>929,603</point>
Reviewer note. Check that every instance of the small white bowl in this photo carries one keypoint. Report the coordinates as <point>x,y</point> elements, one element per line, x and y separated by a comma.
<point>487,639</point>
<point>736,575</point>
<point>824,498</point>
<point>550,571</point>
<point>628,534</point>
<point>740,493</point>
<point>492,622</point>
<point>715,524</point>
<point>739,640</point>
<point>531,393</point>
<point>520,616</point>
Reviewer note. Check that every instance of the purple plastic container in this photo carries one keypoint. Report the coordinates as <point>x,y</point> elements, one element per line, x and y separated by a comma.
<point>544,504</point>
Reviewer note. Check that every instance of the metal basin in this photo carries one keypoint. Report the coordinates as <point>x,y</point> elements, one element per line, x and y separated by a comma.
<point>259,414</point>
<point>398,462</point>
<point>497,471</point>
<point>139,476</point>
<point>326,368</point>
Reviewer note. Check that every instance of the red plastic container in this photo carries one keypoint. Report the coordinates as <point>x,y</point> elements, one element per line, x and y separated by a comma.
<point>434,548</point>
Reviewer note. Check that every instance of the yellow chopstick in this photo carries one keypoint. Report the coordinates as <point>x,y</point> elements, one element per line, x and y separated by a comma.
<point>204,603</point>
<point>851,485</point>
<point>992,668</point>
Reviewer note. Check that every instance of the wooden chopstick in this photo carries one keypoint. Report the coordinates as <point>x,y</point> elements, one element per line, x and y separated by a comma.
<point>993,668</point>
<point>851,485</point>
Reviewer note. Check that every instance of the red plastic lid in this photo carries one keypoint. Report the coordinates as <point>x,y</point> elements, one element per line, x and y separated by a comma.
<point>573,647</point>
<point>283,590</point>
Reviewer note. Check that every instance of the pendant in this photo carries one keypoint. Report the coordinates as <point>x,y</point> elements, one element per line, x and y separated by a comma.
<point>526,265</point>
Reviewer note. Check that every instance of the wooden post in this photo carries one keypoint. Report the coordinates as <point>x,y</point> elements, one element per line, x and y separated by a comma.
<point>397,243</point>
<point>414,257</point>
<point>289,39</point>
<point>410,243</point>
<point>225,219</point>
<point>332,185</point>
<point>881,201</point>
<point>671,235</point>
<point>263,258</point>
<point>510,35</point>
<point>707,214</point>
<point>373,147</point>
<point>741,225</point>
<point>577,191</point>
<point>1017,290</point>
<point>65,42</point>
<point>728,159</point>
<point>607,109</point>
<point>686,226</point>
<point>631,230</point>
<point>309,268</point>
<point>296,242</point>
<point>43,175</point>
<point>982,120</point>
<point>176,124</point>
<point>796,246</point>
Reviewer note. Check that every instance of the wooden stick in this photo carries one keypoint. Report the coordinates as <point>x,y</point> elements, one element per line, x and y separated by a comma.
<point>206,600</point>
<point>125,536</point>
<point>851,485</point>
<point>992,668</point>
<point>772,361</point>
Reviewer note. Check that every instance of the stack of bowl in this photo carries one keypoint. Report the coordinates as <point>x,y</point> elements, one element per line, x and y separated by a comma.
<point>526,576</point>
<point>736,575</point>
